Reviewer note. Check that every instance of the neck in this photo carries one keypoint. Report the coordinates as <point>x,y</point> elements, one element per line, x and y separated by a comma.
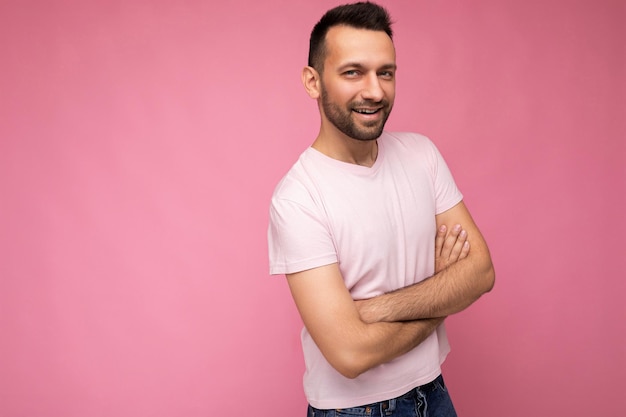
<point>359,152</point>
<point>347,149</point>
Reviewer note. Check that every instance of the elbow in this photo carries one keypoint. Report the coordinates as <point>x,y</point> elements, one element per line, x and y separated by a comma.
<point>485,274</point>
<point>349,364</point>
<point>489,278</point>
<point>349,373</point>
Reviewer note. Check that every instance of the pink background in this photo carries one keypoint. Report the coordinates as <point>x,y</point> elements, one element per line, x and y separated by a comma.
<point>140,142</point>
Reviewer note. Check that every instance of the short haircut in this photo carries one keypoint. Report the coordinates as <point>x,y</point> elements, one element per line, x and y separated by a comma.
<point>362,15</point>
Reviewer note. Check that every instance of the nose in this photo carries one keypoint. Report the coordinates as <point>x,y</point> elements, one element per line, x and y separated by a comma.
<point>373,90</point>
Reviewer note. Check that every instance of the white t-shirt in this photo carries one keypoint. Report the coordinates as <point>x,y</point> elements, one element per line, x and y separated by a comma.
<point>378,224</point>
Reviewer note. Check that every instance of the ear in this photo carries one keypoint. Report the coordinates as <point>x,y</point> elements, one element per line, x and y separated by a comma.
<point>311,81</point>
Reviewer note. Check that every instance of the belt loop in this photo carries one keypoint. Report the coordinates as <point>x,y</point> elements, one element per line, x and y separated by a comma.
<point>387,407</point>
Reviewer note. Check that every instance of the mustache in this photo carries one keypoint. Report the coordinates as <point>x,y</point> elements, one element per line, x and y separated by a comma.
<point>370,103</point>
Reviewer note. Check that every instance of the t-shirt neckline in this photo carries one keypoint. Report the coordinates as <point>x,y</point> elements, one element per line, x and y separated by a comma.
<point>350,167</point>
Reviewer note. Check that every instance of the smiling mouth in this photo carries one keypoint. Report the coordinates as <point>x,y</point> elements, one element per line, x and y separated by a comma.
<point>366,111</point>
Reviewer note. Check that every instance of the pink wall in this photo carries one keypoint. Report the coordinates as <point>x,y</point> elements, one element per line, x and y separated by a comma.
<point>140,142</point>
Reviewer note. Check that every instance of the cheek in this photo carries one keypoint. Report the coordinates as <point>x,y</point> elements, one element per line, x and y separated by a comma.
<point>391,95</point>
<point>345,93</point>
<point>390,90</point>
<point>342,91</point>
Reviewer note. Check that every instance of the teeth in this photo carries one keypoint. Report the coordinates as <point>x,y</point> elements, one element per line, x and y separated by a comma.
<point>366,111</point>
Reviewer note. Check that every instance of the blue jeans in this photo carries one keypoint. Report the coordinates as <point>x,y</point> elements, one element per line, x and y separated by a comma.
<point>430,400</point>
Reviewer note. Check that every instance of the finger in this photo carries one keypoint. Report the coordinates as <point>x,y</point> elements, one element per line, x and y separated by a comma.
<point>457,249</point>
<point>465,250</point>
<point>439,239</point>
<point>450,241</point>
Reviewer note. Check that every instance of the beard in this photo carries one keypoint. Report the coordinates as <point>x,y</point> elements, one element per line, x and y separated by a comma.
<point>342,119</point>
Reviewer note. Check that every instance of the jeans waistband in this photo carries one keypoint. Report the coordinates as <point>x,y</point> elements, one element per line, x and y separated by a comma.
<point>427,387</point>
<point>384,405</point>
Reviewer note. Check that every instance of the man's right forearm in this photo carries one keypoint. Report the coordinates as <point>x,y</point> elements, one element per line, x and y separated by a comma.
<point>386,341</point>
<point>349,344</point>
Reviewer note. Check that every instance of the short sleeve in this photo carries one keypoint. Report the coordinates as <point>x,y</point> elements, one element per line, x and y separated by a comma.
<point>298,237</point>
<point>447,194</point>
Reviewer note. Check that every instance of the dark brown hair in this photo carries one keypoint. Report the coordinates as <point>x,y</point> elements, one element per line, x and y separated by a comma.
<point>362,15</point>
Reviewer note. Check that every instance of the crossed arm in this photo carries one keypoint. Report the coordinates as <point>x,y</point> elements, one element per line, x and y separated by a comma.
<point>357,336</point>
<point>454,287</point>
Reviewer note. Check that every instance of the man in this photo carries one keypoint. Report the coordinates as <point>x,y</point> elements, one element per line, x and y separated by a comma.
<point>375,217</point>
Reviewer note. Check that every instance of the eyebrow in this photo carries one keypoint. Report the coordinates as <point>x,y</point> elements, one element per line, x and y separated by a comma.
<point>361,66</point>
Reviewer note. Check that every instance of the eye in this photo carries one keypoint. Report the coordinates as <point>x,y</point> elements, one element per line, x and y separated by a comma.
<point>388,75</point>
<point>351,73</point>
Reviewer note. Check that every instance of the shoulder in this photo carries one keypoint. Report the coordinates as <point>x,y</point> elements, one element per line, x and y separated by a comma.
<point>297,186</point>
<point>404,140</point>
<point>410,145</point>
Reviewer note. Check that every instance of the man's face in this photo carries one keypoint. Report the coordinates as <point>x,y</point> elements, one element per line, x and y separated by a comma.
<point>358,81</point>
